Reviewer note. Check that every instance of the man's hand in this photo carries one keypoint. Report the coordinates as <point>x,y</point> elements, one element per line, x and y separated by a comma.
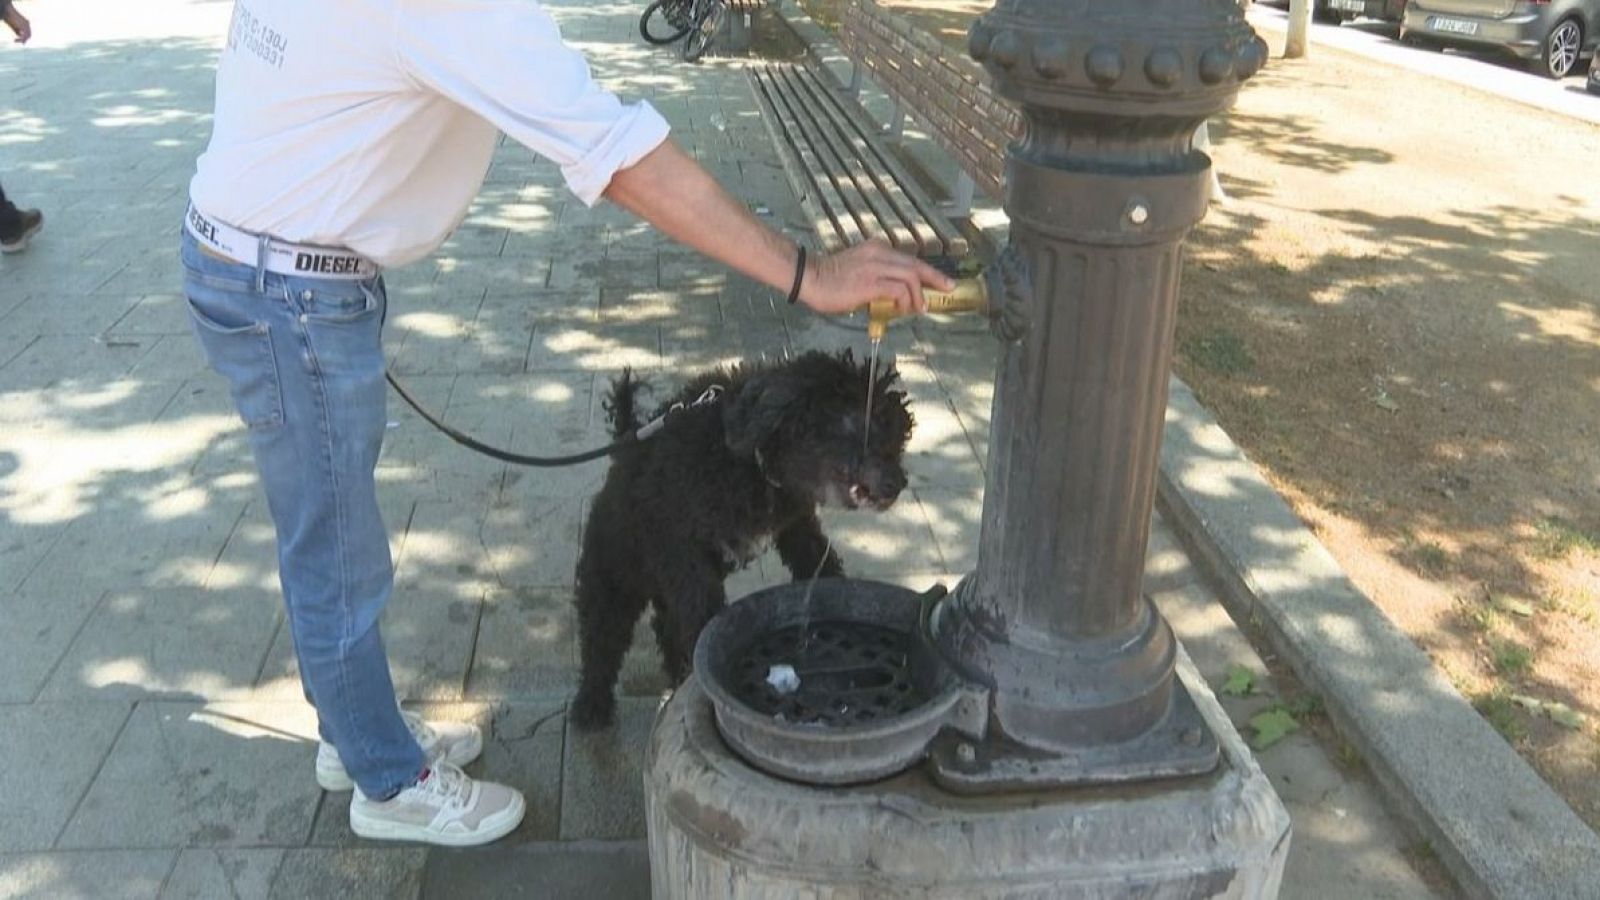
<point>843,282</point>
<point>17,22</point>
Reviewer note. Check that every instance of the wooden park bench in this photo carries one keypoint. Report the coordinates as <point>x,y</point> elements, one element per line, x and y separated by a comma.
<point>849,180</point>
<point>945,89</point>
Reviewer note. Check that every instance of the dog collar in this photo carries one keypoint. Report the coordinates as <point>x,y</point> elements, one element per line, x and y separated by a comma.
<point>711,395</point>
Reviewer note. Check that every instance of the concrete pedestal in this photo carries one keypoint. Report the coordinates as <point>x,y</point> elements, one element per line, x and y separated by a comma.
<point>721,830</point>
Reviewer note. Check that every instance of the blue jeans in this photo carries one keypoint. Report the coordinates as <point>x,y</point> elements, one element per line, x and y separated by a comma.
<point>304,361</point>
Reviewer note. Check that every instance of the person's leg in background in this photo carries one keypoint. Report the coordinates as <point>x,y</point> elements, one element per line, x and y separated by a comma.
<point>17,226</point>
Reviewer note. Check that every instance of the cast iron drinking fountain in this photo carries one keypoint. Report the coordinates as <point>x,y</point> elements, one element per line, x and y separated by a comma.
<point>1036,731</point>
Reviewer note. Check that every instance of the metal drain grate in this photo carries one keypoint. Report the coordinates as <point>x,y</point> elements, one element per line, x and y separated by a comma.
<point>850,673</point>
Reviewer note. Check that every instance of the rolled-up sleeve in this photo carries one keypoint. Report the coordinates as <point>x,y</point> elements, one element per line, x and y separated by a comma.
<point>505,61</point>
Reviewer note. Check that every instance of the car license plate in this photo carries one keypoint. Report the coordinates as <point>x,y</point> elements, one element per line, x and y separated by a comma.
<point>1454,26</point>
<point>1352,6</point>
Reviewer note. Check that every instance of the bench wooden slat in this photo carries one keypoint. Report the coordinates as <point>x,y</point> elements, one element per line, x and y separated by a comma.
<point>834,216</point>
<point>831,165</point>
<point>934,235</point>
<point>800,179</point>
<point>895,202</point>
<point>847,182</point>
<point>853,186</point>
<point>918,94</point>
<point>954,241</point>
<point>947,91</point>
<point>838,207</point>
<point>883,218</point>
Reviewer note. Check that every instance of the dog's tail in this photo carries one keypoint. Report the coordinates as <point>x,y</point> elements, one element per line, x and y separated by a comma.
<point>620,404</point>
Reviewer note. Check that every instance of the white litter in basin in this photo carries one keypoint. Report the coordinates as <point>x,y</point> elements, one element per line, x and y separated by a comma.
<point>783,679</point>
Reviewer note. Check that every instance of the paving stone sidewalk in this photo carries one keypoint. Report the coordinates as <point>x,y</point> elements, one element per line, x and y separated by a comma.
<point>154,738</point>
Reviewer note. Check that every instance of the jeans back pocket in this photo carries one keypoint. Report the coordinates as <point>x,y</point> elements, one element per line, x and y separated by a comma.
<point>243,355</point>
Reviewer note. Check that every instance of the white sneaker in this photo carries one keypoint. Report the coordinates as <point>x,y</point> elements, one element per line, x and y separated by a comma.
<point>446,807</point>
<point>456,743</point>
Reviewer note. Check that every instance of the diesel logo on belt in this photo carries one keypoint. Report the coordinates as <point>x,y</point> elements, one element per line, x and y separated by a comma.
<point>204,229</point>
<point>327,264</point>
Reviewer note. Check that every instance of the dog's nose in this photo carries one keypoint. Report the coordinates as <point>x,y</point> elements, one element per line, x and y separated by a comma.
<point>890,484</point>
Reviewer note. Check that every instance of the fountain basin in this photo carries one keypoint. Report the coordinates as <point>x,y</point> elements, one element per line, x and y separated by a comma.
<point>872,691</point>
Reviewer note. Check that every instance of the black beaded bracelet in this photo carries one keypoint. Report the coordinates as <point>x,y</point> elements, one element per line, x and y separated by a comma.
<point>799,276</point>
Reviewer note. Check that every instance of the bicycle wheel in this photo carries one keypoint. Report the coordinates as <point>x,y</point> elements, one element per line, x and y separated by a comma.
<point>704,31</point>
<point>672,22</point>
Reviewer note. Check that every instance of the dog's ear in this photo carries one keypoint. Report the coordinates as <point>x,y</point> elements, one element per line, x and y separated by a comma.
<point>755,413</point>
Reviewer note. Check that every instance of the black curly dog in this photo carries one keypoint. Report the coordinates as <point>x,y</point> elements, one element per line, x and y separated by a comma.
<point>682,510</point>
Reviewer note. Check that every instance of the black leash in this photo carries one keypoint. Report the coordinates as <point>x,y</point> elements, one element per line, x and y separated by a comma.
<point>547,462</point>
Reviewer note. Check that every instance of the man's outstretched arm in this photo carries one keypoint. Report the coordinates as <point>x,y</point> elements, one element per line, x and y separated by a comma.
<point>671,191</point>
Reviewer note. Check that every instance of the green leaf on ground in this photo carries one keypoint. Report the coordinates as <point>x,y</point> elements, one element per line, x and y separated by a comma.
<point>1559,713</point>
<point>1240,681</point>
<point>1305,704</point>
<point>1564,715</point>
<point>1500,712</point>
<point>1510,658</point>
<point>1385,403</point>
<point>1556,538</point>
<point>1512,605</point>
<point>1271,727</point>
<point>1218,351</point>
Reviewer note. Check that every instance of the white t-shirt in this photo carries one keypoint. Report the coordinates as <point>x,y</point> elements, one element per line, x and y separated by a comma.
<point>369,124</point>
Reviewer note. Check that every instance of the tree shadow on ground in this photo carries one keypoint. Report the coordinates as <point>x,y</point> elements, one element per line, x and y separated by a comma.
<point>1291,142</point>
<point>1427,379</point>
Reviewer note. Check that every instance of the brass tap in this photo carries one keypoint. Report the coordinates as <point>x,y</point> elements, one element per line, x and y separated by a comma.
<point>970,295</point>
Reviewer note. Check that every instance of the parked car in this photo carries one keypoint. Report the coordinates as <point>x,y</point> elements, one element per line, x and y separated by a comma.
<point>1593,84</point>
<point>1345,10</point>
<point>1552,35</point>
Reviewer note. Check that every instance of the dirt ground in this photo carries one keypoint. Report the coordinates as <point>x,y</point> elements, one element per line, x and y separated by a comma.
<point>1397,319</point>
<point>1397,316</point>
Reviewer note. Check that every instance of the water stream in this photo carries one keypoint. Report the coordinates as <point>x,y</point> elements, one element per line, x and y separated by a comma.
<point>872,387</point>
<point>805,633</point>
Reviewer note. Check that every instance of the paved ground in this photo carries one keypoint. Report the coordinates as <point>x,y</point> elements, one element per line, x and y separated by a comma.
<point>150,718</point>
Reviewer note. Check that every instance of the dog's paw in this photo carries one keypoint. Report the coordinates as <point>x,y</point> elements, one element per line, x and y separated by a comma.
<point>592,715</point>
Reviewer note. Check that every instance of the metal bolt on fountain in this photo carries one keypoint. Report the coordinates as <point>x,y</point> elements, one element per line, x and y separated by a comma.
<point>1034,732</point>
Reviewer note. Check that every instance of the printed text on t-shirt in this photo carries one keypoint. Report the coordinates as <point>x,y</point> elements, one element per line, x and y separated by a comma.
<point>251,33</point>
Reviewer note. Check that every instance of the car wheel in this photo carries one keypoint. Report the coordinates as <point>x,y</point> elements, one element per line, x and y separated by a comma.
<point>1559,55</point>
